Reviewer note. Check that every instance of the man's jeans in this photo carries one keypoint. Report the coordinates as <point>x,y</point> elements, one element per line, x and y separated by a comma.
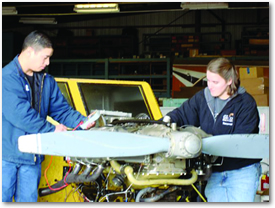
<point>20,181</point>
<point>235,185</point>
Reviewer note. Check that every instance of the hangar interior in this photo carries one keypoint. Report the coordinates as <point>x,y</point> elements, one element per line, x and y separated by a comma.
<point>166,44</point>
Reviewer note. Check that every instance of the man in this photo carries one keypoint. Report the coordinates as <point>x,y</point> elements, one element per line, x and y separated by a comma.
<point>29,96</point>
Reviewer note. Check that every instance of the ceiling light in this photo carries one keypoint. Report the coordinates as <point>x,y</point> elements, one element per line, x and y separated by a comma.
<point>204,5</point>
<point>26,20</point>
<point>9,11</point>
<point>96,8</point>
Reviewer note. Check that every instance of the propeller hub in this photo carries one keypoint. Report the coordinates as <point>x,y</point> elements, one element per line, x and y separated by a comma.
<point>184,145</point>
<point>193,144</point>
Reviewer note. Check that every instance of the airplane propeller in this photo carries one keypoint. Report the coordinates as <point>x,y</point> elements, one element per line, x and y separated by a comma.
<point>98,144</point>
<point>237,145</point>
<point>93,144</point>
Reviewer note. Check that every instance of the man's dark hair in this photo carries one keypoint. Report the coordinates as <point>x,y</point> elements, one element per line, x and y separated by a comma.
<point>37,40</point>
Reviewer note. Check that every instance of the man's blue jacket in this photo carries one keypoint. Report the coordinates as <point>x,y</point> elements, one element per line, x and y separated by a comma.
<point>19,117</point>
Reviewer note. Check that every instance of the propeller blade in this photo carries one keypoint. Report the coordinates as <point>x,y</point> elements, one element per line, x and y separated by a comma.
<point>237,145</point>
<point>92,144</point>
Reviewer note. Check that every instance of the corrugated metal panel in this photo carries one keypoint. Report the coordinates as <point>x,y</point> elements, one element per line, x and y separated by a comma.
<point>165,18</point>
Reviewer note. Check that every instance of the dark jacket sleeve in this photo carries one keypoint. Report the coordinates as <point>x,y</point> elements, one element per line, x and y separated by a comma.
<point>248,118</point>
<point>188,112</point>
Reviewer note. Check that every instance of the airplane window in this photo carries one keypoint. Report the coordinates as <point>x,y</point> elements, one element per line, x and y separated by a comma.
<point>125,98</point>
<point>63,86</point>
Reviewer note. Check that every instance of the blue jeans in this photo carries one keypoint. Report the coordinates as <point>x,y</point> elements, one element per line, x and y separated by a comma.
<point>234,186</point>
<point>20,181</point>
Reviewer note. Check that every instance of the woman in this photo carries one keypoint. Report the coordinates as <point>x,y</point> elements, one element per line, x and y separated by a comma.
<point>224,107</point>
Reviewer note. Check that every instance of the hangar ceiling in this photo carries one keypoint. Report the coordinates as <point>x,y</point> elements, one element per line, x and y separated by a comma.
<point>63,11</point>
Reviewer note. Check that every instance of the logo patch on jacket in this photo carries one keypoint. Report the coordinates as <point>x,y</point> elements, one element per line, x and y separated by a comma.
<point>27,88</point>
<point>227,120</point>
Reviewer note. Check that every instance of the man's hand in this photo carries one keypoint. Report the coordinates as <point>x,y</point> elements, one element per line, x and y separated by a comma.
<point>90,125</point>
<point>60,127</point>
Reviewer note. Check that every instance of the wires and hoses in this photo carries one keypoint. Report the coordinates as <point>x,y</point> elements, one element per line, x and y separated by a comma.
<point>194,187</point>
<point>156,197</point>
<point>80,123</point>
<point>65,183</point>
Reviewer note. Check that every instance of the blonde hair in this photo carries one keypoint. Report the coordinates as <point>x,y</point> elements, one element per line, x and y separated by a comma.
<point>226,70</point>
